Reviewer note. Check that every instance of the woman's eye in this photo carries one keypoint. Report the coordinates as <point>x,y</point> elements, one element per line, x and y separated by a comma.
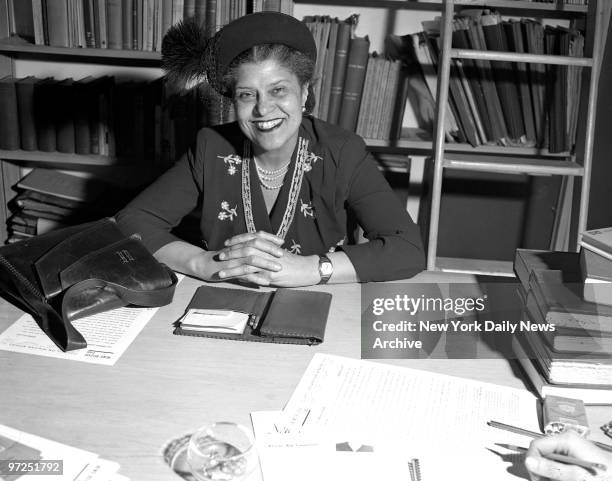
<point>278,90</point>
<point>244,95</point>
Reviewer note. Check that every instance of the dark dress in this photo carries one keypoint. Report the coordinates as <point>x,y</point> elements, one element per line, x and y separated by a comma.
<point>339,175</point>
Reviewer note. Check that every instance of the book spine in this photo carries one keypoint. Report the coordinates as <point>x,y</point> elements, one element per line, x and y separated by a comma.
<point>57,22</point>
<point>9,116</point>
<point>44,108</point>
<point>25,105</point>
<point>65,118</point>
<point>211,16</point>
<point>357,61</point>
<point>37,18</point>
<point>127,24</point>
<point>189,8</point>
<point>114,17</point>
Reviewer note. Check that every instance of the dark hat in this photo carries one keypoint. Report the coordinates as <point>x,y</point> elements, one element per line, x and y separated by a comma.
<point>189,56</point>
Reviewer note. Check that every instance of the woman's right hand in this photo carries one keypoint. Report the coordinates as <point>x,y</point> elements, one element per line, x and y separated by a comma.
<point>246,257</point>
<point>570,444</point>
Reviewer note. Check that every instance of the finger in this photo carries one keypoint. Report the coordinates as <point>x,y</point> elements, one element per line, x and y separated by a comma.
<point>252,264</point>
<point>566,443</point>
<point>240,238</point>
<point>252,247</point>
<point>557,471</point>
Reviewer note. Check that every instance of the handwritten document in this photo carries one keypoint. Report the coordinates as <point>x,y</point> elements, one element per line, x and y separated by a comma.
<point>433,416</point>
<point>108,335</point>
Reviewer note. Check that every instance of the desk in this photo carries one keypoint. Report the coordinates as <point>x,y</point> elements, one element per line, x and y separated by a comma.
<point>165,385</point>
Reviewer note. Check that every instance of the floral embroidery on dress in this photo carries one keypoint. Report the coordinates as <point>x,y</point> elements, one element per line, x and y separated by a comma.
<point>295,247</point>
<point>306,209</point>
<point>231,161</point>
<point>226,212</point>
<point>310,159</point>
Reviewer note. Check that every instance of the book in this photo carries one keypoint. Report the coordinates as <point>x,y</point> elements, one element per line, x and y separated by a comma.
<point>22,21</point>
<point>589,394</point>
<point>64,117</point>
<point>527,261</point>
<point>598,240</point>
<point>127,25</point>
<point>25,106</point>
<point>89,18</point>
<point>38,22</point>
<point>57,23</point>
<point>563,305</point>
<point>9,115</point>
<point>114,23</point>
<point>596,273</point>
<point>340,58</point>
<point>82,112</point>
<point>328,69</point>
<point>357,61</point>
<point>58,184</point>
<point>45,106</point>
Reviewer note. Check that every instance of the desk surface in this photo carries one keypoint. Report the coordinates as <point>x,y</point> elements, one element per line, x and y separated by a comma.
<point>165,385</point>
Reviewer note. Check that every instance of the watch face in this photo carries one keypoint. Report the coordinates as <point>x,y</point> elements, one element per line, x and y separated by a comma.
<point>326,268</point>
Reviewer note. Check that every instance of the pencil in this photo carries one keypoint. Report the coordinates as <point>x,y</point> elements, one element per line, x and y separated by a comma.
<point>562,458</point>
<point>525,432</point>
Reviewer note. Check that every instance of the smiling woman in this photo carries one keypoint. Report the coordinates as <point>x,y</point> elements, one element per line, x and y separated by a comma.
<point>276,186</point>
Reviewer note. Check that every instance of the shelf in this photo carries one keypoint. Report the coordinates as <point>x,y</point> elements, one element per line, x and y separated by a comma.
<point>522,57</point>
<point>57,159</point>
<point>16,47</point>
<point>552,10</point>
<point>418,141</point>
<point>513,165</point>
<point>475,266</point>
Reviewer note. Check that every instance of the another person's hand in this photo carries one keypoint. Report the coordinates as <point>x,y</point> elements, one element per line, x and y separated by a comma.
<point>570,444</point>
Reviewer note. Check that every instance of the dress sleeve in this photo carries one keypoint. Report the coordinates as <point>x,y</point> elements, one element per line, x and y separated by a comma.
<point>161,206</point>
<point>394,249</point>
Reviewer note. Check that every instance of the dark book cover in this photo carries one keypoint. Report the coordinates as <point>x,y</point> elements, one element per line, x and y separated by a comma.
<point>200,11</point>
<point>57,23</point>
<point>114,23</point>
<point>64,117</point>
<point>328,69</point>
<point>472,75</point>
<point>505,78</point>
<point>82,111</point>
<point>9,115</point>
<point>339,71</point>
<point>353,83</point>
<point>25,104</point>
<point>23,20</point>
<point>127,24</point>
<point>45,105</point>
<point>89,18</point>
<point>55,183</point>
<point>528,260</point>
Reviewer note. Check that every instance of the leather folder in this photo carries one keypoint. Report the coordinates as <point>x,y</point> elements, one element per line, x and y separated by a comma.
<point>288,316</point>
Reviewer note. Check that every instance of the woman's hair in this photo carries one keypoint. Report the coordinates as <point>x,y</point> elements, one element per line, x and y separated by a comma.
<point>291,59</point>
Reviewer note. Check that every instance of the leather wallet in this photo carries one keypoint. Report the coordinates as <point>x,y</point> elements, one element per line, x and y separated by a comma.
<point>287,316</point>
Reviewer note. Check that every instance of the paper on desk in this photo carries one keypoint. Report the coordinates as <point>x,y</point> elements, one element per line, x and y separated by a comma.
<point>78,465</point>
<point>430,414</point>
<point>108,335</point>
<point>284,455</point>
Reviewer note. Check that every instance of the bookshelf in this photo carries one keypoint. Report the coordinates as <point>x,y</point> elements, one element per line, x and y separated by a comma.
<point>394,154</point>
<point>577,165</point>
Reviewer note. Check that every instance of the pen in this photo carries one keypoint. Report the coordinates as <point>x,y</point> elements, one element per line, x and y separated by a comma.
<point>562,458</point>
<point>525,432</point>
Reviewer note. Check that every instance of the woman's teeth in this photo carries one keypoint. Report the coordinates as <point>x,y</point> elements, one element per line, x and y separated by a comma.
<point>268,125</point>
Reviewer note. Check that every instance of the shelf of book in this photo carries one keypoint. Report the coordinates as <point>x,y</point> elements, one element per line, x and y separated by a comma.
<point>514,165</point>
<point>87,55</point>
<point>553,10</point>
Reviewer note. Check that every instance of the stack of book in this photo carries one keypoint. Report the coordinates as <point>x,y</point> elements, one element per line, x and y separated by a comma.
<point>569,353</point>
<point>125,24</point>
<point>49,199</point>
<point>495,102</point>
<point>596,265</point>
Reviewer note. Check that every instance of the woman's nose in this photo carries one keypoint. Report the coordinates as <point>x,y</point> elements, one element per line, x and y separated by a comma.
<point>263,106</point>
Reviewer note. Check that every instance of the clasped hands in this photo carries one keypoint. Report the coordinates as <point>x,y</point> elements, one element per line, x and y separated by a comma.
<point>258,258</point>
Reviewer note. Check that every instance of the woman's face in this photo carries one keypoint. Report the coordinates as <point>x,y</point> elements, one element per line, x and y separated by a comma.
<point>268,99</point>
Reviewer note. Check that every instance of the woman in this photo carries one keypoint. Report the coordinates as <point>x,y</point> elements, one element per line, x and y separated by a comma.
<point>274,187</point>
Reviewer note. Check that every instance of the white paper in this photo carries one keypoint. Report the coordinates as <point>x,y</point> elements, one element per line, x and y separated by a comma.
<point>432,415</point>
<point>108,335</point>
<point>287,456</point>
<point>76,462</point>
<point>215,321</point>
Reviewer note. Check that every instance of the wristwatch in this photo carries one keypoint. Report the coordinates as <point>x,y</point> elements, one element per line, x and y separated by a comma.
<point>326,268</point>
